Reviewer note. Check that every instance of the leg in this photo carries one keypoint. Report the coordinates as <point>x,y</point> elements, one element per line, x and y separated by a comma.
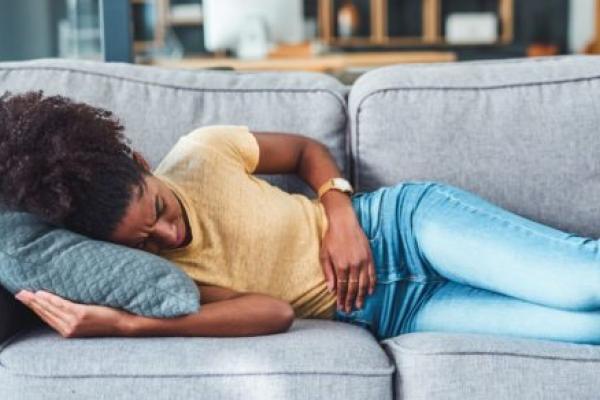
<point>460,308</point>
<point>471,241</point>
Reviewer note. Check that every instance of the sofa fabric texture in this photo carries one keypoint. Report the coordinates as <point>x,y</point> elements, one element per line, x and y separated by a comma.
<point>304,363</point>
<point>37,256</point>
<point>521,133</point>
<point>436,366</point>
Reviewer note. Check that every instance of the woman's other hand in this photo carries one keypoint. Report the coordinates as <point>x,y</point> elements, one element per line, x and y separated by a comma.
<point>72,319</point>
<point>347,260</point>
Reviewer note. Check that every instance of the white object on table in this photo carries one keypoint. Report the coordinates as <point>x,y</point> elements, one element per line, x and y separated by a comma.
<point>472,28</point>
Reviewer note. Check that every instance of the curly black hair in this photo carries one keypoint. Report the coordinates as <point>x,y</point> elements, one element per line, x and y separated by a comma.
<point>66,162</point>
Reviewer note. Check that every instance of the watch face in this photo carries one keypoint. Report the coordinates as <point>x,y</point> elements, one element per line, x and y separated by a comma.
<point>342,184</point>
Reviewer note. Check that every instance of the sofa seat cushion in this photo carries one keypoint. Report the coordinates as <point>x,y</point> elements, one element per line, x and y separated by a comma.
<point>314,359</point>
<point>470,366</point>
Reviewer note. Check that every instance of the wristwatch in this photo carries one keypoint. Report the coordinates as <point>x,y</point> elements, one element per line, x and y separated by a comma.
<point>340,184</point>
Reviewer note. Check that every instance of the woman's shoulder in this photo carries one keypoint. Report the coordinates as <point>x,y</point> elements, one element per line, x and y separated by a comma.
<point>216,133</point>
<point>232,142</point>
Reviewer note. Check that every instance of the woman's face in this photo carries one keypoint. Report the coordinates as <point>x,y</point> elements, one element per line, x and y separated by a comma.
<point>154,221</point>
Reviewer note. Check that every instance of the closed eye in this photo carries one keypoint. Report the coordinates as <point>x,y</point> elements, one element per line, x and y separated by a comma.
<point>158,211</point>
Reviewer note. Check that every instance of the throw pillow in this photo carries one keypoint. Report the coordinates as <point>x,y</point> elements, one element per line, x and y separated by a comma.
<point>37,256</point>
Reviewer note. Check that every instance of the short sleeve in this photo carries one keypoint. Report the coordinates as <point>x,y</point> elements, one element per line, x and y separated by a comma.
<point>234,142</point>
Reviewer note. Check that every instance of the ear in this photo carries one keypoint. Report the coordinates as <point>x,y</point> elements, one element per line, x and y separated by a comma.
<point>141,160</point>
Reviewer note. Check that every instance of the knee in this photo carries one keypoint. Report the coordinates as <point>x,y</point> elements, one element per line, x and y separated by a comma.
<point>580,290</point>
<point>580,299</point>
<point>582,327</point>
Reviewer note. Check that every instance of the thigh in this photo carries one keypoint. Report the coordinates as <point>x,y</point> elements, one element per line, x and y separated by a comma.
<point>388,312</point>
<point>465,309</point>
<point>471,241</point>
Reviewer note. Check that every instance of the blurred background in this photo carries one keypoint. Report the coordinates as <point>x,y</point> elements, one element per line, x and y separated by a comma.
<point>341,37</point>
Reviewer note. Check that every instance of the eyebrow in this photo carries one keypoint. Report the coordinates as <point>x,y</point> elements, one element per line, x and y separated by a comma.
<point>141,190</point>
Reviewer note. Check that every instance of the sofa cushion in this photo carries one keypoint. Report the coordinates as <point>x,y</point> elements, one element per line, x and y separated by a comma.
<point>468,366</point>
<point>315,359</point>
<point>158,105</point>
<point>521,133</point>
<point>35,255</point>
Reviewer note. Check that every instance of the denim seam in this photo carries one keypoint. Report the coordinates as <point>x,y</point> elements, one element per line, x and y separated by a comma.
<point>384,270</point>
<point>414,278</point>
<point>378,234</point>
<point>494,216</point>
<point>378,227</point>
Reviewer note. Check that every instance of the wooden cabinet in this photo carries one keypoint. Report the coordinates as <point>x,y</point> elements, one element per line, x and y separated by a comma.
<point>431,25</point>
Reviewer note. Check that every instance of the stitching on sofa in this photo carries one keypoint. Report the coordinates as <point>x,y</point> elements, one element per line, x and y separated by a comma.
<point>384,372</point>
<point>336,95</point>
<point>9,340</point>
<point>408,351</point>
<point>355,172</point>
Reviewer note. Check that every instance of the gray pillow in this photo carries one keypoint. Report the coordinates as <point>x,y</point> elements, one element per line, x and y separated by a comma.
<point>35,255</point>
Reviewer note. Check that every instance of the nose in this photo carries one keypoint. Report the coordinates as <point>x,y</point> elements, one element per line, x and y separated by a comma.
<point>165,233</point>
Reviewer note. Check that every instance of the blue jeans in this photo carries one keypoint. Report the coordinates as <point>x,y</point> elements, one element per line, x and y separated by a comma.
<point>449,261</point>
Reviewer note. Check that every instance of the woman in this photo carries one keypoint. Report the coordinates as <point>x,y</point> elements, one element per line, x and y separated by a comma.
<point>417,256</point>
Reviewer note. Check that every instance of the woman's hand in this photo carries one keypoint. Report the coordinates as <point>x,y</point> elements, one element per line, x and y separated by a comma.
<point>346,259</point>
<point>72,319</point>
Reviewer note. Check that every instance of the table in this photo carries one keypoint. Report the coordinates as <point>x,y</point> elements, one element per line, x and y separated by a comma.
<point>327,63</point>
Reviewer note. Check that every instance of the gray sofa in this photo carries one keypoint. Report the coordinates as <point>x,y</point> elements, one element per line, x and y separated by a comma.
<point>522,133</point>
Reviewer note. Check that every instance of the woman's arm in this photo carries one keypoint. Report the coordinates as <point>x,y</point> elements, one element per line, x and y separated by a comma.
<point>223,313</point>
<point>345,254</point>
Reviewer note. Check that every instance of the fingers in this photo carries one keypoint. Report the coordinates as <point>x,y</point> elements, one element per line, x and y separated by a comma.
<point>352,285</point>
<point>372,275</point>
<point>363,282</point>
<point>352,275</point>
<point>353,282</point>
<point>342,287</point>
<point>48,312</point>
<point>329,272</point>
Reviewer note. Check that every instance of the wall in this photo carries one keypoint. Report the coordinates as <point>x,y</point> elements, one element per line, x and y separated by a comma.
<point>28,28</point>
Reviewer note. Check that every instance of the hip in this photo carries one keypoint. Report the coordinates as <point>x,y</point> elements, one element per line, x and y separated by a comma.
<point>404,280</point>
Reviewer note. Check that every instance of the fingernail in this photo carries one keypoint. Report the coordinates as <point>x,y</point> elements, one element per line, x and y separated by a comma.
<point>329,286</point>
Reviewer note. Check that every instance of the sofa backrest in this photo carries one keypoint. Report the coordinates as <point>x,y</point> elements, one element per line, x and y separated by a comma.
<point>158,105</point>
<point>524,134</point>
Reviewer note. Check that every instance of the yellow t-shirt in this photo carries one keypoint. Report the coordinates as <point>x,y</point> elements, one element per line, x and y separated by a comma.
<point>247,235</point>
